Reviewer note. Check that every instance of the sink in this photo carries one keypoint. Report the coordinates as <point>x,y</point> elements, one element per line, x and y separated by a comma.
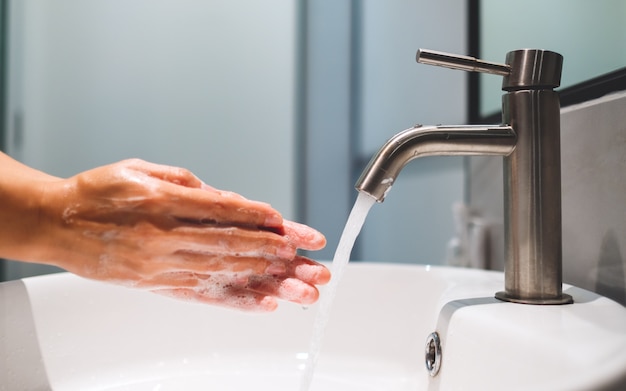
<point>62,332</point>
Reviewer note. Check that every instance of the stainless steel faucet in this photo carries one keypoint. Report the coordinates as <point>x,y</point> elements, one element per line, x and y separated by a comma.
<point>529,141</point>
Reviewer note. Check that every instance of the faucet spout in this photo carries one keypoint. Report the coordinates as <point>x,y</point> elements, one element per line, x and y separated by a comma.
<point>420,141</point>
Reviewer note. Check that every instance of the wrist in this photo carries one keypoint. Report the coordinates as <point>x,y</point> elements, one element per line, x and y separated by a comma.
<point>26,217</point>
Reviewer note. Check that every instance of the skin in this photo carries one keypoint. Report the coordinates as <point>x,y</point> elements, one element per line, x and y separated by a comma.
<point>158,228</point>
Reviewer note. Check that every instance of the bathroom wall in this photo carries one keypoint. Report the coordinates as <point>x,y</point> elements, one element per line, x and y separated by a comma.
<point>593,156</point>
<point>414,223</point>
<point>361,86</point>
<point>207,85</point>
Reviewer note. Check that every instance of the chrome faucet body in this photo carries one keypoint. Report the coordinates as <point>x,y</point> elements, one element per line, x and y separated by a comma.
<point>529,141</point>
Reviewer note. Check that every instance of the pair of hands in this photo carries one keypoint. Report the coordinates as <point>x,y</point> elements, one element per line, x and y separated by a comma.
<point>160,228</point>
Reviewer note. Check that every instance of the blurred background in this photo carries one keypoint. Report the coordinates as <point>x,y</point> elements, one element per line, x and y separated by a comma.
<point>282,101</point>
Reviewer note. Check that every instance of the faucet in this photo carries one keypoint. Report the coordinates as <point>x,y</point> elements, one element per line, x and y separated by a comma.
<point>529,141</point>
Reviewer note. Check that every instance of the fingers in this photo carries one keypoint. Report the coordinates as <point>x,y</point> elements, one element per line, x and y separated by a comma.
<point>302,236</point>
<point>256,293</point>
<point>175,175</point>
<point>242,241</point>
<point>235,242</point>
<point>222,290</point>
<point>192,270</point>
<point>226,264</point>
<point>245,291</point>
<point>289,289</point>
<point>188,197</point>
<point>219,207</point>
<point>223,206</point>
<point>243,300</point>
<point>260,294</point>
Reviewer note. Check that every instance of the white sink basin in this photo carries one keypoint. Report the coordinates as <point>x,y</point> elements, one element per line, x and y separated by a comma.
<point>62,332</point>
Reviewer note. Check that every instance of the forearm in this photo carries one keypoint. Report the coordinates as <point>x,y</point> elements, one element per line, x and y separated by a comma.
<point>22,194</point>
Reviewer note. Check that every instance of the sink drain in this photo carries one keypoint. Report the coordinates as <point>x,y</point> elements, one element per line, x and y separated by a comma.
<point>433,354</point>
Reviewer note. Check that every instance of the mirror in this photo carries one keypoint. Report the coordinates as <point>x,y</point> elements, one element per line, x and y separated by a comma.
<point>591,36</point>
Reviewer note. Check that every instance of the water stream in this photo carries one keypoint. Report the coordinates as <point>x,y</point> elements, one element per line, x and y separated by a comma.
<point>342,256</point>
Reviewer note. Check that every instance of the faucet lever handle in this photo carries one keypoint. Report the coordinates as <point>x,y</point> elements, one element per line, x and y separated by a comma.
<point>524,68</point>
<point>464,63</point>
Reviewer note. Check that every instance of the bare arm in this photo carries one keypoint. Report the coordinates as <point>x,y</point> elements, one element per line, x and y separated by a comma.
<point>159,228</point>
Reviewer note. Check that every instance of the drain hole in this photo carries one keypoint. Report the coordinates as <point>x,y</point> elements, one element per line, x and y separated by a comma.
<point>433,354</point>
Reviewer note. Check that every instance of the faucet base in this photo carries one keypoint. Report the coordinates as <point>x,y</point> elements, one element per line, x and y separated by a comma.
<point>564,299</point>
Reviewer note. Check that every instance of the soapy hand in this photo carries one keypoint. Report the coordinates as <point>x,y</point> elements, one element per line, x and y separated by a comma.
<point>160,228</point>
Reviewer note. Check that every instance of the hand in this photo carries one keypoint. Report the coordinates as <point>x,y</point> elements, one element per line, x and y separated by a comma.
<point>160,228</point>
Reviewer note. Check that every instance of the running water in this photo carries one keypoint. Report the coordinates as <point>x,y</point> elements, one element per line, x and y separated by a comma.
<point>342,255</point>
